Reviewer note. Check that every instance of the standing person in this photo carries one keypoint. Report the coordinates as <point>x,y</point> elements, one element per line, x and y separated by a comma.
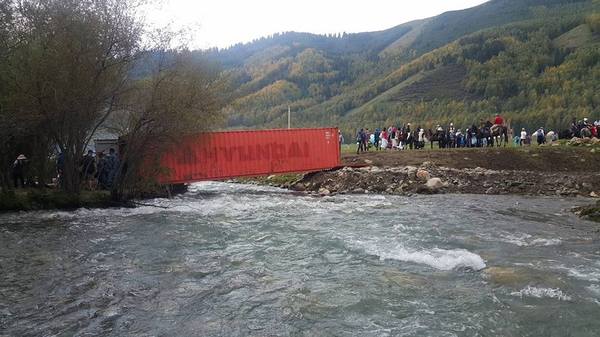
<point>574,129</point>
<point>541,137</point>
<point>340,139</point>
<point>421,138</point>
<point>474,136</point>
<point>359,141</point>
<point>18,171</point>
<point>409,136</point>
<point>377,139</point>
<point>451,136</point>
<point>384,139</point>
<point>460,140</point>
<point>60,168</point>
<point>401,137</point>
<point>367,139</point>
<point>523,137</point>
<point>468,137</point>
<point>102,171</point>
<point>113,164</point>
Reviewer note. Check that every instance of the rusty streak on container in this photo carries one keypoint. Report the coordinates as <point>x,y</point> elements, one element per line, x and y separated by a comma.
<point>229,154</point>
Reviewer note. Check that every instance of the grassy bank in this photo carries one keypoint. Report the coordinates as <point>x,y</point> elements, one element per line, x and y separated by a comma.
<point>37,199</point>
<point>591,212</point>
<point>278,180</point>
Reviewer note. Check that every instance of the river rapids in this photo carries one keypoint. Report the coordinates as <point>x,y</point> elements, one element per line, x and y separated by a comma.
<point>243,260</point>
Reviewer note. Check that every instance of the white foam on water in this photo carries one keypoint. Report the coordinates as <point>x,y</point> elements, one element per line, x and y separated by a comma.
<point>441,259</point>
<point>546,242</point>
<point>525,240</point>
<point>535,292</point>
<point>519,240</point>
<point>587,275</point>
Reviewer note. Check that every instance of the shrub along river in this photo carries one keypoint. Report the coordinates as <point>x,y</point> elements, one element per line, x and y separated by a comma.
<point>242,260</point>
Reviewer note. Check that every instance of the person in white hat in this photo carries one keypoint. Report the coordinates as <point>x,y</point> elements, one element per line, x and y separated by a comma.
<point>18,171</point>
<point>523,137</point>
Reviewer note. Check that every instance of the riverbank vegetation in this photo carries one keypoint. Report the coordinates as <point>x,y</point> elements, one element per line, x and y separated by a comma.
<point>70,68</point>
<point>38,199</point>
<point>591,212</point>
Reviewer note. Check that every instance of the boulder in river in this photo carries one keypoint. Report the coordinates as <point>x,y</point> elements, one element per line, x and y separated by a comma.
<point>324,191</point>
<point>299,187</point>
<point>434,184</point>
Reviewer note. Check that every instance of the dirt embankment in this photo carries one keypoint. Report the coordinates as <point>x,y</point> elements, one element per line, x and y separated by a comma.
<point>563,171</point>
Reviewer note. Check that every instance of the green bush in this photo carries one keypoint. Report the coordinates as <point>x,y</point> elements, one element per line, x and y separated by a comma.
<point>593,21</point>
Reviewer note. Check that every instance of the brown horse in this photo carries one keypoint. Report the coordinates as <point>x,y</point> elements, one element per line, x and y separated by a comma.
<point>500,134</point>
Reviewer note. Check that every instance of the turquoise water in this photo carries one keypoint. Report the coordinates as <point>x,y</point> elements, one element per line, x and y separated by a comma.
<point>241,260</point>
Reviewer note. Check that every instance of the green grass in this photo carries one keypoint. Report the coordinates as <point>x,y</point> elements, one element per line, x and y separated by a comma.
<point>36,199</point>
<point>591,212</point>
<point>576,37</point>
<point>275,179</point>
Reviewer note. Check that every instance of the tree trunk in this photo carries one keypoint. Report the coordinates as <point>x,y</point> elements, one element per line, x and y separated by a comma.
<point>71,177</point>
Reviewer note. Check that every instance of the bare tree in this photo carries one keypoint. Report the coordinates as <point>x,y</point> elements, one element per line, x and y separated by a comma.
<point>179,97</point>
<point>78,65</point>
<point>8,125</point>
<point>72,66</point>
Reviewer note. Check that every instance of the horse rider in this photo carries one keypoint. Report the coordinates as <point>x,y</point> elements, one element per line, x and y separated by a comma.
<point>498,120</point>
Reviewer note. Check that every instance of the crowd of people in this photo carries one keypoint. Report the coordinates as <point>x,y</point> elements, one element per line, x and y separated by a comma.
<point>406,137</point>
<point>584,128</point>
<point>487,133</point>
<point>97,171</point>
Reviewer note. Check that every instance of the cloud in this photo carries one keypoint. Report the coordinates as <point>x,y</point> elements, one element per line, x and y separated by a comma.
<point>226,22</point>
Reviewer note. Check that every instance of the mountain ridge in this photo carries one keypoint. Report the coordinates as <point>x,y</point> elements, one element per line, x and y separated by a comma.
<point>346,79</point>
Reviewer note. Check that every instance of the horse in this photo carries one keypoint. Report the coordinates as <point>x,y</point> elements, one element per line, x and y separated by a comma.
<point>430,137</point>
<point>566,134</point>
<point>499,134</point>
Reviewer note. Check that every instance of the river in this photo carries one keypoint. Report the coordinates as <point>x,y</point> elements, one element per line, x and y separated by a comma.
<point>243,260</point>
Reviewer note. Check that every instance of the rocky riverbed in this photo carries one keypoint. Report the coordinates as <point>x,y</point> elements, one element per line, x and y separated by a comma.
<point>563,171</point>
<point>429,178</point>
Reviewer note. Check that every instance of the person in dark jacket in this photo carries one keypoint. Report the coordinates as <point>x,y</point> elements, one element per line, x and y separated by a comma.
<point>18,171</point>
<point>360,137</point>
<point>113,165</point>
<point>102,171</point>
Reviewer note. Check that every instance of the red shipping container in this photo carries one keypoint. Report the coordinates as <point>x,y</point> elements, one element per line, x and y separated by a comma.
<point>229,154</point>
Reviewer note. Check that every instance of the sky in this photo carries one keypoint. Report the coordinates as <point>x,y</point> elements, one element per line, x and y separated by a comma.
<point>222,23</point>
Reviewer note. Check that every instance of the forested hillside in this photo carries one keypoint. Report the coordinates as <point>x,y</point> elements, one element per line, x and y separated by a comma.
<point>535,61</point>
